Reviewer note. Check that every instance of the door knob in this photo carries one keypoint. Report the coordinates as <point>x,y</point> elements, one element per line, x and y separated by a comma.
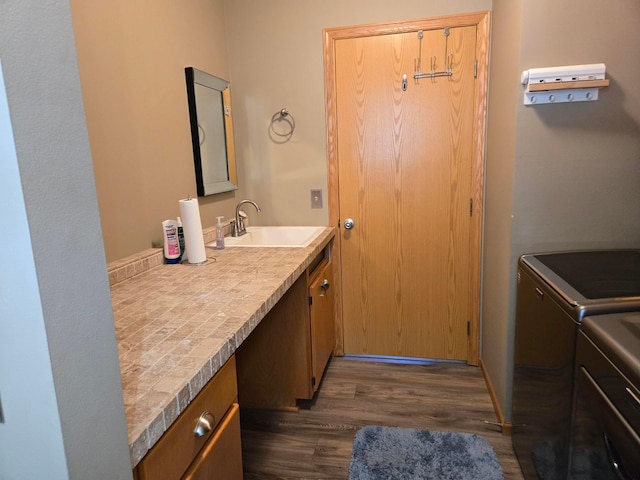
<point>348,223</point>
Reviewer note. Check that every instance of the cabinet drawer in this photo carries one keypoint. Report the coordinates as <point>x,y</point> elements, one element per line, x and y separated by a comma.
<point>222,456</point>
<point>177,448</point>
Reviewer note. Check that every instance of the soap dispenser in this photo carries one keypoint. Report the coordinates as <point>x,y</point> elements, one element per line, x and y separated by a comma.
<point>219,234</point>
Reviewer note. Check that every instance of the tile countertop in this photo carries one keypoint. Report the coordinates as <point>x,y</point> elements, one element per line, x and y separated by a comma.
<point>176,325</point>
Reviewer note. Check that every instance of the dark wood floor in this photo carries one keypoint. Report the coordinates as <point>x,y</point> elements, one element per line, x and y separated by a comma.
<point>315,443</point>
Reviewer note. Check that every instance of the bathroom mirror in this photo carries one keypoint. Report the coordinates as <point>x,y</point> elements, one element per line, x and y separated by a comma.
<point>211,132</point>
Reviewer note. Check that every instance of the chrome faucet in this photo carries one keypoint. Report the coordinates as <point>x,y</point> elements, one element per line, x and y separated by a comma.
<point>238,226</point>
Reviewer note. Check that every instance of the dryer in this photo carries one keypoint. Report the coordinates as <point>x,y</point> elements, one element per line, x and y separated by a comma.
<point>605,434</point>
<point>555,292</point>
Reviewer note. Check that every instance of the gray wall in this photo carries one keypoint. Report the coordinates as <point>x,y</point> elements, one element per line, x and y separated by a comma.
<point>131,59</point>
<point>575,167</point>
<point>497,288</point>
<point>276,61</point>
<point>558,177</point>
<point>59,375</point>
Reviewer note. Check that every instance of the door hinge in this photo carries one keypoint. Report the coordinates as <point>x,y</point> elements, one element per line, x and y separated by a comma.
<point>475,68</point>
<point>310,300</point>
<point>471,207</point>
<point>313,381</point>
<point>468,328</point>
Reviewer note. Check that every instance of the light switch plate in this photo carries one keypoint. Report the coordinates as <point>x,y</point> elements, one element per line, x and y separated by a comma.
<point>316,198</point>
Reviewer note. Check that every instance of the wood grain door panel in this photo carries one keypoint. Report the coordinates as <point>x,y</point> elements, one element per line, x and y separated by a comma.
<point>405,178</point>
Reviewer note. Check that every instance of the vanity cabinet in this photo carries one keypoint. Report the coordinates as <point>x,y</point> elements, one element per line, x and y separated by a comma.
<point>204,442</point>
<point>284,358</point>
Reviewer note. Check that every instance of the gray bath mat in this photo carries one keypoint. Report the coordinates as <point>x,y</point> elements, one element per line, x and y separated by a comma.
<point>406,453</point>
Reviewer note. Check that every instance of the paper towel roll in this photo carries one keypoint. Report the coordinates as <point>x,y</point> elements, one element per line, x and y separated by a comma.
<point>192,228</point>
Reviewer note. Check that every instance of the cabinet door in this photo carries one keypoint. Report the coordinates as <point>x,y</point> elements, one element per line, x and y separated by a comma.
<point>274,365</point>
<point>322,322</point>
<point>221,457</point>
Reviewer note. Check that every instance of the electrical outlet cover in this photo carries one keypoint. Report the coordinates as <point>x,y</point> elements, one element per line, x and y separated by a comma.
<point>316,198</point>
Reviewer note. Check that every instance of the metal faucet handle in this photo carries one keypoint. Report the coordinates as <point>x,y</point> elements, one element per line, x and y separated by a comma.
<point>239,228</point>
<point>235,232</point>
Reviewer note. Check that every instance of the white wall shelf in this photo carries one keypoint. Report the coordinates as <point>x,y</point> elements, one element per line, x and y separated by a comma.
<point>577,83</point>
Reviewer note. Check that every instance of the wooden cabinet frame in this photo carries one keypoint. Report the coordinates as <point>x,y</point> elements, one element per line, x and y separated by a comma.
<point>276,362</point>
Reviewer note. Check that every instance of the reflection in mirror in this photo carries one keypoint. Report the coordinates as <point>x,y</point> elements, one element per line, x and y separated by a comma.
<point>211,132</point>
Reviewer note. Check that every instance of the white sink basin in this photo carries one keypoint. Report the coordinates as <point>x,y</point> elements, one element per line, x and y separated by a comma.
<point>274,237</point>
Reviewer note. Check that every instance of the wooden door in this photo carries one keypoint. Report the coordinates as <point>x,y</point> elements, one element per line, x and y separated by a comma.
<point>405,173</point>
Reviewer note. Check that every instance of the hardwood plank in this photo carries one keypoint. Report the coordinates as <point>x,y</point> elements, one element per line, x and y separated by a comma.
<point>316,442</point>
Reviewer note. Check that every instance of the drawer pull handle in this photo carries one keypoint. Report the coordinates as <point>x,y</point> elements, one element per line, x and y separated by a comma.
<point>633,395</point>
<point>324,287</point>
<point>204,425</point>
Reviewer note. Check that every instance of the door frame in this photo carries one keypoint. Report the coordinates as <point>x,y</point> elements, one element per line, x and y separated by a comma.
<point>481,20</point>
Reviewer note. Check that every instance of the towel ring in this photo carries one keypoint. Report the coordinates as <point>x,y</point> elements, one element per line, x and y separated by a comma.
<point>279,117</point>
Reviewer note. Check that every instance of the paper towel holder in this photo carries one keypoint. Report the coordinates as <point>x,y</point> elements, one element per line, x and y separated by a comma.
<point>569,83</point>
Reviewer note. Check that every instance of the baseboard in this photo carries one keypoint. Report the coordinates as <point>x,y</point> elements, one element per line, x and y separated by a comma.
<point>506,427</point>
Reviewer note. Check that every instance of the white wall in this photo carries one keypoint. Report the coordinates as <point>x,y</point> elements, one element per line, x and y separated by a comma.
<point>23,324</point>
<point>59,375</point>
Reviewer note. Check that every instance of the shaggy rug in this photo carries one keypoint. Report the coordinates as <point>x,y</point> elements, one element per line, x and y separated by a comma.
<point>407,453</point>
